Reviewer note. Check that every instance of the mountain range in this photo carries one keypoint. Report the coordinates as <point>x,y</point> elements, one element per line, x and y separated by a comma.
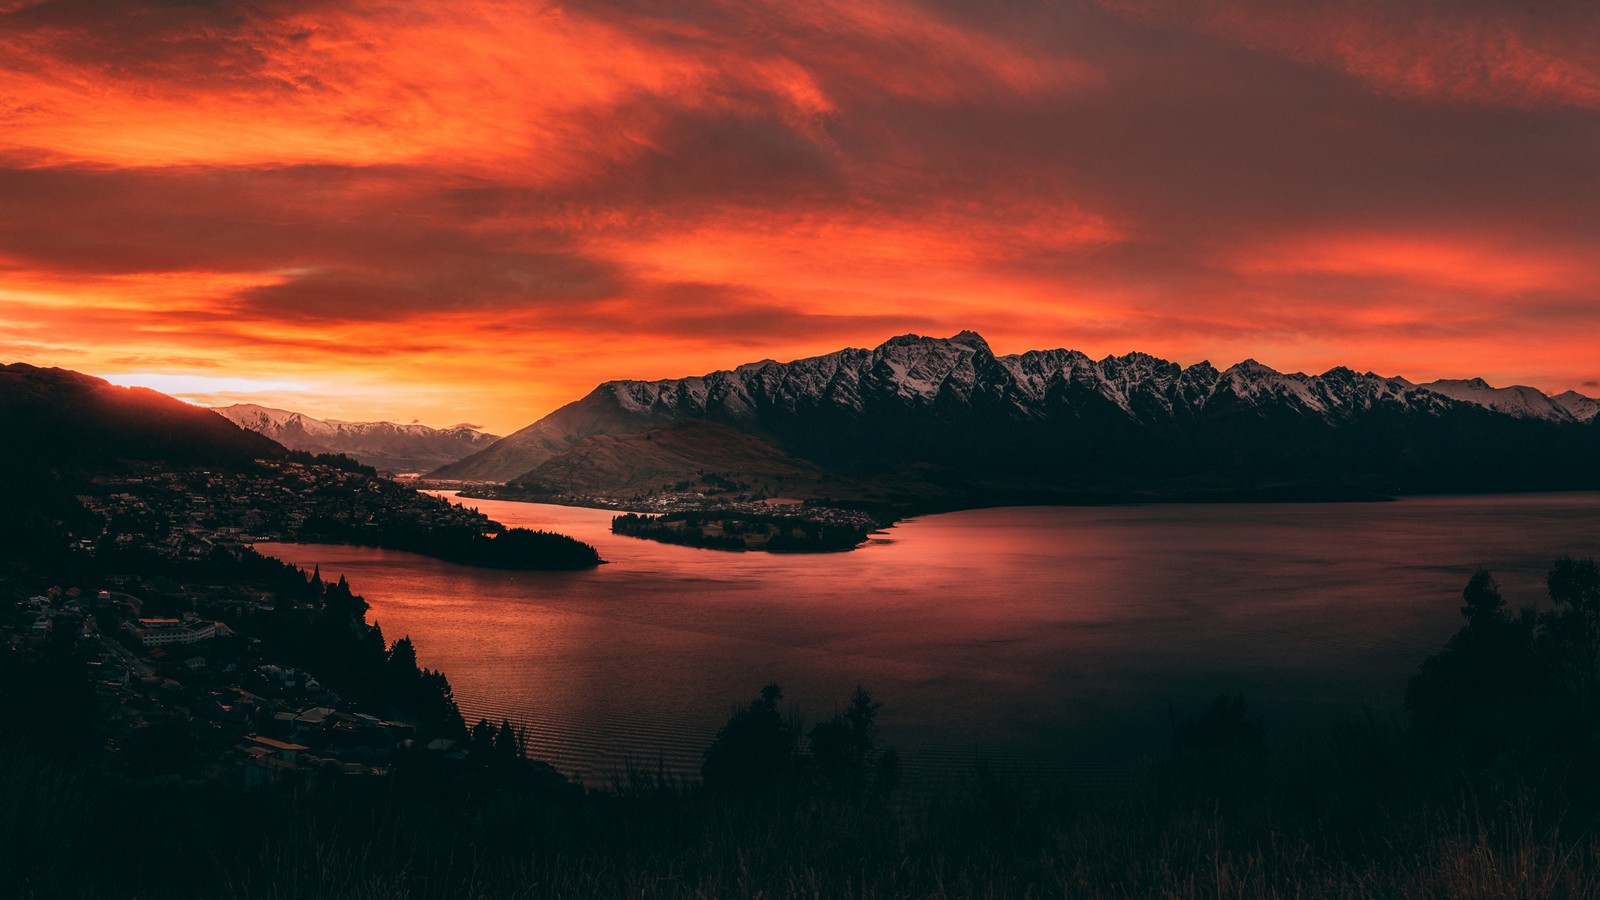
<point>948,421</point>
<point>915,422</point>
<point>385,445</point>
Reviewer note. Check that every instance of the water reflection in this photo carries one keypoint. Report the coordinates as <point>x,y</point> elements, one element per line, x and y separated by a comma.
<point>1052,638</point>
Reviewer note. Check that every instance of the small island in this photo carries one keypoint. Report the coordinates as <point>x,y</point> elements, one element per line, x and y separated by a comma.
<point>496,548</point>
<point>733,530</point>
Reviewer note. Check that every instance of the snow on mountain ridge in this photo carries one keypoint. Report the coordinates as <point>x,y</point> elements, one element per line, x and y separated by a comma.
<point>276,422</point>
<point>1582,408</point>
<point>912,383</point>
<point>920,370</point>
<point>412,447</point>
<point>1517,400</point>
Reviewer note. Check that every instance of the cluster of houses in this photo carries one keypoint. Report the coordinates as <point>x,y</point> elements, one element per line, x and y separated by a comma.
<point>194,514</point>
<point>286,741</point>
<point>671,500</point>
<point>256,720</point>
<point>67,606</point>
<point>170,665</point>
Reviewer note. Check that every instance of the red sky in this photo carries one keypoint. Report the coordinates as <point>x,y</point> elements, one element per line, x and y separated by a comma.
<point>475,211</point>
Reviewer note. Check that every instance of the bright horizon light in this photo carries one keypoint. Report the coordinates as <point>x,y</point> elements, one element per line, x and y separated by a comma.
<point>178,385</point>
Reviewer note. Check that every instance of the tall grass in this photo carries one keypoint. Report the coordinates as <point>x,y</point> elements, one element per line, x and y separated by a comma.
<point>1371,809</point>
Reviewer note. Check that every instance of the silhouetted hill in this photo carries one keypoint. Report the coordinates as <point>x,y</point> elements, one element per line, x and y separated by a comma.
<point>1055,424</point>
<point>56,418</point>
<point>59,428</point>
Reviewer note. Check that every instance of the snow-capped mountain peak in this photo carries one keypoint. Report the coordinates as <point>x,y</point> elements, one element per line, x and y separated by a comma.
<point>1582,408</point>
<point>920,371</point>
<point>916,388</point>
<point>401,448</point>
<point>1520,401</point>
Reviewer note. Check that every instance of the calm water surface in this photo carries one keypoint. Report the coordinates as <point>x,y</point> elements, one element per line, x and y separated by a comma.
<point>1052,640</point>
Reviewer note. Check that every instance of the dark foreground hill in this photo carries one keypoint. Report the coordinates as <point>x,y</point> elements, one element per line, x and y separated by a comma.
<point>67,435</point>
<point>55,418</point>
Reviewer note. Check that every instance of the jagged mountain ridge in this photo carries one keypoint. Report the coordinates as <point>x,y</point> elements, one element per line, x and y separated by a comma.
<point>387,445</point>
<point>952,403</point>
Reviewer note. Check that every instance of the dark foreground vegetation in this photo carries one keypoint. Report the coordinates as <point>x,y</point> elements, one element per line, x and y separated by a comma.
<point>1487,787</point>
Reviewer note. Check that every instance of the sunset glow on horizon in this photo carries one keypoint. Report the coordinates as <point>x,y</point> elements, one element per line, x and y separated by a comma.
<point>476,211</point>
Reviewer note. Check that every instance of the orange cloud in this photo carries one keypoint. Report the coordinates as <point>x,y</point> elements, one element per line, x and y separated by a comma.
<point>924,252</point>
<point>471,85</point>
<point>1471,263</point>
<point>527,91</point>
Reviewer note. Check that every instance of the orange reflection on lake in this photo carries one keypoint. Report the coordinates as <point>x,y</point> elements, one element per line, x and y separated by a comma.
<point>1052,640</point>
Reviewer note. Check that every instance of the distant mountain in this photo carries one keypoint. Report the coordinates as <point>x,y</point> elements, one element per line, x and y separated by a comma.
<point>386,445</point>
<point>1053,423</point>
<point>56,418</point>
<point>1584,409</point>
<point>1520,401</point>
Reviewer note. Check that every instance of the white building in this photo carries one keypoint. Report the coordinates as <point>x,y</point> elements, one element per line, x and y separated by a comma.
<point>164,632</point>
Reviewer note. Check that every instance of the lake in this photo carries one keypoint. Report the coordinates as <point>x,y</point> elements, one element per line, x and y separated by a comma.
<point>1051,641</point>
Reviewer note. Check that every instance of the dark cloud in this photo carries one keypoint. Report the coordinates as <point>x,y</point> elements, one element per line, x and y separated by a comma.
<point>698,160</point>
<point>349,243</point>
<point>223,41</point>
<point>505,281</point>
<point>742,317</point>
<point>1477,52</point>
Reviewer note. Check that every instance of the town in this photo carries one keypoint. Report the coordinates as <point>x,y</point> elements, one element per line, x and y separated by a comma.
<point>193,513</point>
<point>153,635</point>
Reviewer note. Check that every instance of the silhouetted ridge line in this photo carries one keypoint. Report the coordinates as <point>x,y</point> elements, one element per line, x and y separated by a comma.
<point>58,419</point>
